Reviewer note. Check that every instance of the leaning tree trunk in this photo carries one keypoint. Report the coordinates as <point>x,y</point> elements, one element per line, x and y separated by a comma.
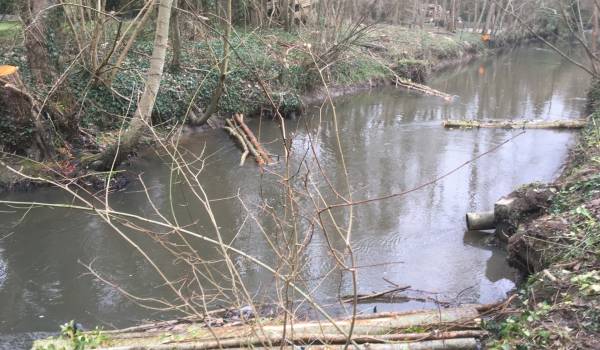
<point>478,24</point>
<point>216,96</point>
<point>176,38</point>
<point>148,10</point>
<point>36,49</point>
<point>116,153</point>
<point>20,111</point>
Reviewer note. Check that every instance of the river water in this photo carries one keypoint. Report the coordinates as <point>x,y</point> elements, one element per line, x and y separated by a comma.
<point>392,141</point>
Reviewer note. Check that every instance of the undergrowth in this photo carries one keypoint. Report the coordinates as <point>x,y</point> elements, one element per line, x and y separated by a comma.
<point>558,307</point>
<point>276,58</point>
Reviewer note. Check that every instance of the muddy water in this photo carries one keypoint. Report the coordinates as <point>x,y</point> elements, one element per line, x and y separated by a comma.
<point>392,141</point>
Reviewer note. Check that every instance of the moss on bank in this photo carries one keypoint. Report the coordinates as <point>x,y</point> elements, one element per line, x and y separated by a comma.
<point>559,305</point>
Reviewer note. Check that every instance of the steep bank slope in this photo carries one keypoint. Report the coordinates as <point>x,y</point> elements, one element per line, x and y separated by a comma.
<point>557,242</point>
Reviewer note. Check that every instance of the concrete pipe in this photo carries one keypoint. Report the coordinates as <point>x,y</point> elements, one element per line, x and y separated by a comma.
<point>481,221</point>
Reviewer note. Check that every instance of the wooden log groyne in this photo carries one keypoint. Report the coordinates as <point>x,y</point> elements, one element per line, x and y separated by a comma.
<point>515,124</point>
<point>424,89</point>
<point>445,328</point>
<point>237,128</point>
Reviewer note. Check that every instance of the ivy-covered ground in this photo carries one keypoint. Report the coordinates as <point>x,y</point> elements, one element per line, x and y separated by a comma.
<point>270,59</point>
<point>280,60</point>
<point>559,247</point>
<point>273,60</point>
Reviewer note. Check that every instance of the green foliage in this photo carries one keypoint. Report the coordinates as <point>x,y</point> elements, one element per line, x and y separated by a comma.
<point>79,339</point>
<point>357,70</point>
<point>243,94</point>
<point>8,7</point>
<point>574,194</point>
<point>572,236</point>
<point>415,329</point>
<point>588,282</point>
<point>521,331</point>
<point>271,60</point>
<point>441,47</point>
<point>15,137</point>
<point>416,70</point>
<point>300,78</point>
<point>8,30</point>
<point>593,97</point>
<point>548,23</point>
<point>74,339</point>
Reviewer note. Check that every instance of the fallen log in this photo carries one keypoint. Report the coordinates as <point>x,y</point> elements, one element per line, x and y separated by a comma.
<point>239,119</point>
<point>515,124</point>
<point>246,140</point>
<point>442,325</point>
<point>373,296</point>
<point>169,323</point>
<point>337,339</point>
<point>241,141</point>
<point>424,89</point>
<point>445,344</point>
<point>481,221</point>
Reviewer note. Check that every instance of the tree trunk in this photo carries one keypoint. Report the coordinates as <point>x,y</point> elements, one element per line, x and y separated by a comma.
<point>452,20</point>
<point>175,36</point>
<point>475,16</point>
<point>36,50</point>
<point>416,12</point>
<point>96,34</point>
<point>148,8</point>
<point>285,13</point>
<point>488,20</point>
<point>594,43</point>
<point>116,153</point>
<point>22,112</point>
<point>478,24</point>
<point>216,96</point>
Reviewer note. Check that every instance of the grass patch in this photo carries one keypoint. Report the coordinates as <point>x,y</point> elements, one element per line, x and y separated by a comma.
<point>9,29</point>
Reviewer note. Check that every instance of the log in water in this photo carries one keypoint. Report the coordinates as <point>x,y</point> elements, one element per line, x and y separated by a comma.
<point>516,124</point>
<point>388,327</point>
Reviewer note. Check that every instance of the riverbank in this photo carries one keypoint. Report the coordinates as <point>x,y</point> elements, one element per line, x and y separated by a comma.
<point>267,61</point>
<point>556,242</point>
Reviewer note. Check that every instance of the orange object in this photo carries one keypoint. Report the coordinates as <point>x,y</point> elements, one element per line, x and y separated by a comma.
<point>485,37</point>
<point>481,70</point>
<point>7,70</point>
